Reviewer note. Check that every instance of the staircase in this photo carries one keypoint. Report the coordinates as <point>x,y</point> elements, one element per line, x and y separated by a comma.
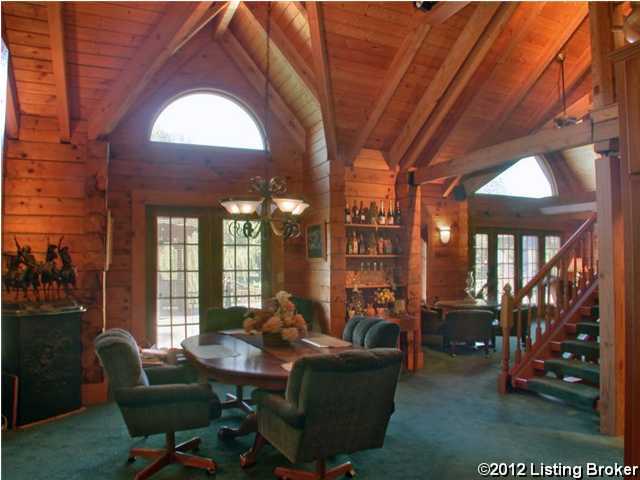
<point>557,316</point>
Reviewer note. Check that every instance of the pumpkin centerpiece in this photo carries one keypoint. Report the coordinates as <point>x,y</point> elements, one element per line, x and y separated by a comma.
<point>279,325</point>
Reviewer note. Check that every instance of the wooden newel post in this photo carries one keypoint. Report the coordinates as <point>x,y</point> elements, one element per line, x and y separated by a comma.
<point>506,319</point>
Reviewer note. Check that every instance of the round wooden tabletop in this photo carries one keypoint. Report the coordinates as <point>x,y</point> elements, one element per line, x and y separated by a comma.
<point>252,363</point>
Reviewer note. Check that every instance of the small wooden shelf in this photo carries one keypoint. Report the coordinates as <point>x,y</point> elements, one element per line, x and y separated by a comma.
<point>382,285</point>
<point>373,256</point>
<point>373,226</point>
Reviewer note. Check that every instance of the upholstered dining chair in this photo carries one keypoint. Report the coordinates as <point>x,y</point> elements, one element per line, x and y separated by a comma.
<point>230,318</point>
<point>467,326</point>
<point>371,332</point>
<point>156,400</point>
<point>312,423</point>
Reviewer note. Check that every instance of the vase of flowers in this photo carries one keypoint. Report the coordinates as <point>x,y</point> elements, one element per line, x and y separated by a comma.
<point>279,325</point>
<point>383,298</point>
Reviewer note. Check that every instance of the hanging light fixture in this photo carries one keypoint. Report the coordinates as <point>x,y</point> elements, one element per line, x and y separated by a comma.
<point>272,206</point>
<point>563,120</point>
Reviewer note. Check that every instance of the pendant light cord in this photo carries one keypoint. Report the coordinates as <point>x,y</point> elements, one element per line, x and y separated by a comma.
<point>564,100</point>
<point>267,124</point>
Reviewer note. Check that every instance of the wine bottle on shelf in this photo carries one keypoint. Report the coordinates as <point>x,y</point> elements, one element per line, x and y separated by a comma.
<point>363,214</point>
<point>347,215</point>
<point>380,243</point>
<point>354,244</point>
<point>397,214</point>
<point>373,213</point>
<point>390,219</point>
<point>354,213</point>
<point>362,247</point>
<point>382,219</point>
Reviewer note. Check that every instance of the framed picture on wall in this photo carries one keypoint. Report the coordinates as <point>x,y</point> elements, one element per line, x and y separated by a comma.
<point>316,241</point>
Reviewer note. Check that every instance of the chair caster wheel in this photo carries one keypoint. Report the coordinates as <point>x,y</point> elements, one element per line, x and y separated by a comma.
<point>131,459</point>
<point>350,474</point>
<point>211,471</point>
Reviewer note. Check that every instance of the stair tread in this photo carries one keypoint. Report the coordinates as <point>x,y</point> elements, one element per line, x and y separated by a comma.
<point>577,393</point>
<point>576,368</point>
<point>582,343</point>
<point>590,324</point>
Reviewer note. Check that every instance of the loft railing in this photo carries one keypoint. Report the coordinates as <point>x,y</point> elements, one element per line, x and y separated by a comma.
<point>544,304</point>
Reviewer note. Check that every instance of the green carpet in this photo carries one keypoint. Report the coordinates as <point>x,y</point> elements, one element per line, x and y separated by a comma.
<point>448,419</point>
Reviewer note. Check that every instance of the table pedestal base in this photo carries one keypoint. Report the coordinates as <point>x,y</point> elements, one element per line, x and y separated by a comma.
<point>248,425</point>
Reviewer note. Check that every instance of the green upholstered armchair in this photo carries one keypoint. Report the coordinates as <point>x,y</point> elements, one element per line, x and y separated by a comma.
<point>313,422</point>
<point>156,400</point>
<point>371,332</point>
<point>228,319</point>
<point>467,326</point>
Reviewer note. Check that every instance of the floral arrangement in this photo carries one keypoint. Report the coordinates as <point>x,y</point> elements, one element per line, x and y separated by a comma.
<point>384,297</point>
<point>281,319</point>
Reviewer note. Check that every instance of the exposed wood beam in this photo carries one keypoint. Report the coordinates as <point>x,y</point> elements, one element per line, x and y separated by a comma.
<point>398,67</point>
<point>442,11</point>
<point>443,78</point>
<point>179,23</point>
<point>222,21</point>
<point>12,120</point>
<point>323,76</point>
<point>59,65</point>
<point>453,183</point>
<point>520,25</point>
<point>545,59</point>
<point>280,42</point>
<point>443,104</point>
<point>256,78</point>
<point>603,126</point>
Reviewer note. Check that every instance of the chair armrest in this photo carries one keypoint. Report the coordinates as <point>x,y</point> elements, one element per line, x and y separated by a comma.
<point>279,406</point>
<point>169,374</point>
<point>163,394</point>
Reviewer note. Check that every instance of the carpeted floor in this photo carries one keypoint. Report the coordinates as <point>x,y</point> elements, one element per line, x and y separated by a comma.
<point>448,419</point>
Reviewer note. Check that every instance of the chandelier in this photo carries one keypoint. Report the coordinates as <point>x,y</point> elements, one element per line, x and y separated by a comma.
<point>269,202</point>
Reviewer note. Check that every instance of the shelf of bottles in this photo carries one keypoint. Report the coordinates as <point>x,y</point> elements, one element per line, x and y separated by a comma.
<point>370,230</point>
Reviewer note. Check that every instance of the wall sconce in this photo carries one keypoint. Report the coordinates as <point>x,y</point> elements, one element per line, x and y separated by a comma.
<point>445,234</point>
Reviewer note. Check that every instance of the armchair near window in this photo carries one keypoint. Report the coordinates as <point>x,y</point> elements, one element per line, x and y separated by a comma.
<point>312,422</point>
<point>228,319</point>
<point>156,400</point>
<point>467,326</point>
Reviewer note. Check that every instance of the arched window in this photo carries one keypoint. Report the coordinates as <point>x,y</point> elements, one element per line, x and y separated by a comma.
<point>208,118</point>
<point>529,177</point>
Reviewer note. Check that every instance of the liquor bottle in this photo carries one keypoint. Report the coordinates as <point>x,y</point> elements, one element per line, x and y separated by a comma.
<point>373,213</point>
<point>347,215</point>
<point>354,213</point>
<point>362,247</point>
<point>380,245</point>
<point>397,214</point>
<point>363,214</point>
<point>388,246</point>
<point>390,219</point>
<point>354,244</point>
<point>382,218</point>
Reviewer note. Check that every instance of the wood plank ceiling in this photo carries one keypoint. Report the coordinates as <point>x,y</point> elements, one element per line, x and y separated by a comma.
<point>478,74</point>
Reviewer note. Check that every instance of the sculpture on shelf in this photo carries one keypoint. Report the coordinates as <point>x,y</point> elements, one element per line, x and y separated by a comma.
<point>470,290</point>
<point>24,275</point>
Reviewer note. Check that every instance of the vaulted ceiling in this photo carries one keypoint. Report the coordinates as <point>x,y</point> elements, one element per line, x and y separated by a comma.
<point>422,87</point>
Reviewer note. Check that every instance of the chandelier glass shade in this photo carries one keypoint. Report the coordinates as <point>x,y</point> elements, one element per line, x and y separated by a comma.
<point>281,212</point>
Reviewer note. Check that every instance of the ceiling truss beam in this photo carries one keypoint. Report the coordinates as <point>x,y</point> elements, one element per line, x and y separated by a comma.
<point>59,66</point>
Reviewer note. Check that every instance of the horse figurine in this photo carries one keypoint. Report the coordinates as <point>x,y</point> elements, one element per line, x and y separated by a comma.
<point>50,273</point>
<point>67,274</point>
<point>31,276</point>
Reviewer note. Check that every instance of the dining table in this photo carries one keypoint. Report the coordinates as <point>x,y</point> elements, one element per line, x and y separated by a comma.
<point>234,357</point>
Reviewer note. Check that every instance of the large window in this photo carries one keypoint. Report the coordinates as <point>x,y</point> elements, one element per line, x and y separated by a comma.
<point>505,262</point>
<point>177,277</point>
<point>197,261</point>
<point>481,260</point>
<point>526,178</point>
<point>208,118</point>
<point>504,256</point>
<point>242,268</point>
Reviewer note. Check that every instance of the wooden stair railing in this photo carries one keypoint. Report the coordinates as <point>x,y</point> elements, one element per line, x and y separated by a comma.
<point>548,299</point>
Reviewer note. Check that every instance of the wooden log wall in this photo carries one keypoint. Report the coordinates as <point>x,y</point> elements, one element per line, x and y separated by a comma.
<point>142,173</point>
<point>447,265</point>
